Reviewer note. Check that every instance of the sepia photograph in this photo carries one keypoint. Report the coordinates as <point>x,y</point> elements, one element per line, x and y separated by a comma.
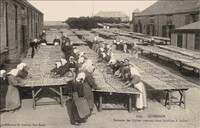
<point>99,64</point>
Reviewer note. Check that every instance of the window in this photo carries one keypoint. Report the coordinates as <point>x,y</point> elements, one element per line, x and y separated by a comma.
<point>6,22</point>
<point>169,19</point>
<point>148,29</point>
<point>135,28</point>
<point>196,18</point>
<point>22,15</point>
<point>28,21</point>
<point>164,31</point>
<point>187,19</point>
<point>31,22</point>
<point>197,41</point>
<point>179,40</point>
<point>16,23</point>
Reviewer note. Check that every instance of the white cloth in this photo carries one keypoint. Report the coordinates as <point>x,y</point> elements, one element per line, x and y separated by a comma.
<point>125,48</point>
<point>141,99</point>
<point>63,61</point>
<point>112,61</point>
<point>80,76</point>
<point>71,57</point>
<point>2,72</point>
<point>75,51</point>
<point>21,66</point>
<point>134,71</point>
<point>14,72</point>
<point>103,54</point>
<point>56,43</point>
<point>82,54</point>
<point>88,63</point>
<point>35,40</point>
<point>91,69</point>
<point>96,38</point>
<point>81,60</point>
<point>58,64</point>
<point>43,44</point>
<point>101,49</point>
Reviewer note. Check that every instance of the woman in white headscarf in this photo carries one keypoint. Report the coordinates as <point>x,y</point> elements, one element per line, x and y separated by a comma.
<point>56,68</point>
<point>12,97</point>
<point>134,80</point>
<point>134,50</point>
<point>22,71</point>
<point>69,67</point>
<point>85,65</point>
<point>78,108</point>
<point>56,41</point>
<point>82,54</point>
<point>3,89</point>
<point>125,47</point>
<point>89,84</point>
<point>75,54</point>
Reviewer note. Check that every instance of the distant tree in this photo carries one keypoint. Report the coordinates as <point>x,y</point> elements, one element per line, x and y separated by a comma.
<point>89,22</point>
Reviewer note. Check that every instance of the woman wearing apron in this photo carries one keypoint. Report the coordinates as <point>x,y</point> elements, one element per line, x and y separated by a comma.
<point>134,80</point>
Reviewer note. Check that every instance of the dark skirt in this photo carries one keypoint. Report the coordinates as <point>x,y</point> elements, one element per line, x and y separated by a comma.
<point>81,105</point>
<point>88,95</point>
<point>3,92</point>
<point>12,98</point>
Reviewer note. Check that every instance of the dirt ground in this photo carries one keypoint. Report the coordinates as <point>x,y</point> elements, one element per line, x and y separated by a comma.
<point>155,116</point>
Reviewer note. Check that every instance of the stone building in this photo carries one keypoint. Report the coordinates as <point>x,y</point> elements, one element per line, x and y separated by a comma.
<point>165,15</point>
<point>117,15</point>
<point>187,37</point>
<point>19,21</point>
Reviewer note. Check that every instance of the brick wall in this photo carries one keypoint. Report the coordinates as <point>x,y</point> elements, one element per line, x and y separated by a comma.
<point>190,41</point>
<point>16,46</point>
<point>159,20</point>
<point>174,39</point>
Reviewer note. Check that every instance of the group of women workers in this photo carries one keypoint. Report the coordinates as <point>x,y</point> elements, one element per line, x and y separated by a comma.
<point>126,47</point>
<point>76,65</point>
<point>9,88</point>
<point>123,69</point>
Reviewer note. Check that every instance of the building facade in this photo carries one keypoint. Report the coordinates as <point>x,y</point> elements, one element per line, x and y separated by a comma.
<point>187,37</point>
<point>164,16</point>
<point>113,14</point>
<point>19,21</point>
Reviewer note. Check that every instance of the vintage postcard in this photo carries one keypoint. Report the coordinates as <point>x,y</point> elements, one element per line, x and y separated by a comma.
<point>100,63</point>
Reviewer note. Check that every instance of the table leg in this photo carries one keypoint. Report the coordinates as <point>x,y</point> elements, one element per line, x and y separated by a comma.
<point>166,98</point>
<point>33,98</point>
<point>61,97</point>
<point>100,102</point>
<point>170,99</point>
<point>130,103</point>
<point>181,98</point>
<point>181,65</point>
<point>184,99</point>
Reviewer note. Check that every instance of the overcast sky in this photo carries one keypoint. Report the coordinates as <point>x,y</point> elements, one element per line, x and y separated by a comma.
<point>60,10</point>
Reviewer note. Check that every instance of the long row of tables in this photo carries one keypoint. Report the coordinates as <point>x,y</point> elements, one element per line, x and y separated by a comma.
<point>158,79</point>
<point>39,77</point>
<point>109,85</point>
<point>183,60</point>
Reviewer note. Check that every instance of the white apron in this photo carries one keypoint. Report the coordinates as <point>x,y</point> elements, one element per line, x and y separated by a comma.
<point>141,99</point>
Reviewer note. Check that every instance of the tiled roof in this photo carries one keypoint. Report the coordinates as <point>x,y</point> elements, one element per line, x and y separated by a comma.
<point>108,14</point>
<point>195,25</point>
<point>25,2</point>
<point>171,6</point>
